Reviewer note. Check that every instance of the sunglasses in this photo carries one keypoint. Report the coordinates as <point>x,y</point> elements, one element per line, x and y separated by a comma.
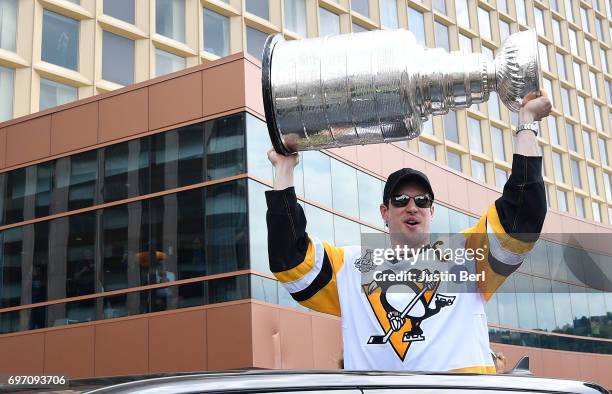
<point>421,200</point>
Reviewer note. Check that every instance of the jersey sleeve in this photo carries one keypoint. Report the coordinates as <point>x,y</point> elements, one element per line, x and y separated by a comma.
<point>512,224</point>
<point>306,266</point>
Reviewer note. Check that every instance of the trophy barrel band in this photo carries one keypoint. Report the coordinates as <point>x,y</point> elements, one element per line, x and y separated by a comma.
<point>266,86</point>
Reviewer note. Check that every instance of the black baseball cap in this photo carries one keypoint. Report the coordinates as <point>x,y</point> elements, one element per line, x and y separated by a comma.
<point>405,175</point>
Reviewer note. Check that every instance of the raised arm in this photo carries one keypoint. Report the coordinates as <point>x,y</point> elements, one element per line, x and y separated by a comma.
<point>305,265</point>
<point>513,223</point>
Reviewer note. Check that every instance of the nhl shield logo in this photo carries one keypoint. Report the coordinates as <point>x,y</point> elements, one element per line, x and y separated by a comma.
<point>400,307</point>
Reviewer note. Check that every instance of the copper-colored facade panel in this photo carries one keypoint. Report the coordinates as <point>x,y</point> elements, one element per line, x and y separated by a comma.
<point>74,128</point>
<point>223,88</point>
<point>122,348</point>
<point>296,340</point>
<point>175,100</point>
<point>252,90</point>
<point>124,115</point>
<point>457,187</point>
<point>604,366</point>
<point>267,336</point>
<point>177,342</point>
<point>22,354</point>
<point>551,361</point>
<point>70,352</point>
<point>29,140</point>
<point>437,177</point>
<point>588,366</point>
<point>392,159</point>
<point>569,366</point>
<point>478,198</point>
<point>369,157</point>
<point>346,152</point>
<point>552,223</point>
<point>2,148</point>
<point>327,341</point>
<point>228,335</point>
<point>416,162</point>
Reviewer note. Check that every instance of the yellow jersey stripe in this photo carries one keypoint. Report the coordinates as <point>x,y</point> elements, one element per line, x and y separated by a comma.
<point>476,369</point>
<point>301,269</point>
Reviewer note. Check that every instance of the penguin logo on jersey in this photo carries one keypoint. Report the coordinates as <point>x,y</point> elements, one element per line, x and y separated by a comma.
<point>400,307</point>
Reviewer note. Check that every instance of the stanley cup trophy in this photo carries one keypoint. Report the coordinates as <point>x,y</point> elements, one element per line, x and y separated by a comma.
<point>380,86</point>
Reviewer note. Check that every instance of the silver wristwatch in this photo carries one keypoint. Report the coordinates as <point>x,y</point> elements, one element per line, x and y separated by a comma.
<point>532,126</point>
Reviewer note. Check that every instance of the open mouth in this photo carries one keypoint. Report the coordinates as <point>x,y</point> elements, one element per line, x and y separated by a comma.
<point>411,223</point>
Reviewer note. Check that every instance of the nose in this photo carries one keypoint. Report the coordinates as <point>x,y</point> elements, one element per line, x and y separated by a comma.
<point>412,207</point>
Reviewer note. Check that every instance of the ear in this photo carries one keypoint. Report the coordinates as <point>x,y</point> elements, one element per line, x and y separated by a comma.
<point>384,212</point>
<point>432,210</point>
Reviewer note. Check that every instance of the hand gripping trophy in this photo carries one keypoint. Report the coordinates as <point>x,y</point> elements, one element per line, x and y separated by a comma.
<point>380,86</point>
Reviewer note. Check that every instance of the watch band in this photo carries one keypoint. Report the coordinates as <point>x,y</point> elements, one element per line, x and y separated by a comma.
<point>534,127</point>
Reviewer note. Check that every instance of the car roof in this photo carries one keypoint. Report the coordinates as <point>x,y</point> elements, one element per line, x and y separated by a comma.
<point>287,380</point>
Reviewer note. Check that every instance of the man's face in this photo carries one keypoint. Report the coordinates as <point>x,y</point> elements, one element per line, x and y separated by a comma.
<point>408,225</point>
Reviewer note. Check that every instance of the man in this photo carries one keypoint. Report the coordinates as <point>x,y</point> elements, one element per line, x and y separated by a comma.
<point>426,331</point>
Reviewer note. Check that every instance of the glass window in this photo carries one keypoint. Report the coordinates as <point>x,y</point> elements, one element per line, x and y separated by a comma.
<point>494,107</point>
<point>549,89</point>
<point>582,109</point>
<point>54,93</point>
<point>506,298</point>
<point>451,131</point>
<point>577,75</point>
<point>504,30</point>
<point>126,170</point>
<point>7,82</point>
<point>478,170</point>
<point>83,175</point>
<point>603,152</point>
<point>596,211</point>
<point>571,136</point>
<point>117,59</point>
<point>561,66</point>
<point>565,99</point>
<point>539,21</point>
<point>361,6</point>
<point>501,176</point>
<point>370,198</point>
<point>475,135</point>
<point>552,129</point>
<point>527,314</point>
<point>569,11</point>
<point>120,9</point>
<point>599,29</point>
<point>428,150</point>
<point>604,60</point>
<point>558,37</point>
<point>441,34</point>
<point>357,28</point>
<point>427,127</point>
<point>586,141</point>
<point>543,52</point>
<point>592,181</point>
<point>60,40</point>
<point>502,5</point>
<point>465,44</point>
<point>170,19</point>
<point>8,24</point>
<point>317,177</point>
<point>484,23</point>
<point>11,246</point>
<point>598,118</point>
<point>497,139</point>
<point>585,19</point>
<point>344,188</point>
<point>295,15</point>
<point>346,232</point>
<point>544,301</point>
<point>258,145</point>
<point>576,173</point>
<point>463,14</point>
<point>388,14</point>
<point>561,201</point>
<point>521,14</point>
<point>166,62</point>
<point>439,5</point>
<point>14,196</point>
<point>320,223</point>
<point>225,152</point>
<point>258,7</point>
<point>453,160</point>
<point>255,42</point>
<point>329,23</point>
<point>558,167</point>
<point>588,47</point>
<point>594,84</point>
<point>580,207</point>
<point>44,185</point>
<point>607,178</point>
<point>217,33</point>
<point>573,42</point>
<point>416,24</point>
<point>258,234</point>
